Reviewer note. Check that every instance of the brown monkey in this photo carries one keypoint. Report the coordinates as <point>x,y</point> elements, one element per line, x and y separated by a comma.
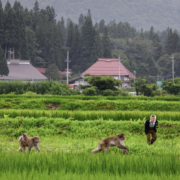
<point>25,141</point>
<point>112,141</point>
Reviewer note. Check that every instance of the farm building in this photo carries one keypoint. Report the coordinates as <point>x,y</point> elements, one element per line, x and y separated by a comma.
<point>22,70</point>
<point>43,70</point>
<point>107,67</point>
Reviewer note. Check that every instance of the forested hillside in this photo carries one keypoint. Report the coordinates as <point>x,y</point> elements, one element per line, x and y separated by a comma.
<point>139,13</point>
<point>37,35</point>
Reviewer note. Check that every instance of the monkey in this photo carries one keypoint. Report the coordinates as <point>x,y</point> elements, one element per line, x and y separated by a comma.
<point>30,142</point>
<point>22,143</point>
<point>112,141</point>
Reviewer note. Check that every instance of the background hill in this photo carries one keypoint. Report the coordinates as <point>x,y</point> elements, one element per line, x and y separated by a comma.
<point>139,13</point>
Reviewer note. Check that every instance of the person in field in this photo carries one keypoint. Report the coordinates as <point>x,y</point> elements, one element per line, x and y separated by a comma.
<point>151,129</point>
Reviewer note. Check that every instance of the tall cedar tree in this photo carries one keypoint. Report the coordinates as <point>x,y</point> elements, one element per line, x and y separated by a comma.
<point>63,31</point>
<point>4,71</point>
<point>106,44</point>
<point>75,50</point>
<point>9,26</point>
<point>1,24</point>
<point>172,42</point>
<point>87,41</point>
<point>70,30</point>
<point>19,28</point>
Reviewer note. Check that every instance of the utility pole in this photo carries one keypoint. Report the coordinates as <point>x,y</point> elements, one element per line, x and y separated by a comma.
<point>119,68</point>
<point>67,72</point>
<point>134,75</point>
<point>9,54</point>
<point>172,57</point>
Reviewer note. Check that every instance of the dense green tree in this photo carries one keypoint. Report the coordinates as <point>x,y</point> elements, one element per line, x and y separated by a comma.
<point>1,24</point>
<point>52,72</point>
<point>138,84</point>
<point>70,31</point>
<point>4,71</point>
<point>151,33</point>
<point>101,26</point>
<point>106,44</point>
<point>63,30</point>
<point>157,46</point>
<point>172,42</point>
<point>97,50</point>
<point>9,26</point>
<point>103,82</point>
<point>81,20</point>
<point>75,50</point>
<point>19,28</point>
<point>87,41</point>
<point>170,87</point>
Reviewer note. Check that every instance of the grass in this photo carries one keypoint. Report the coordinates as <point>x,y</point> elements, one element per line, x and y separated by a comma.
<point>31,95</point>
<point>98,176</point>
<point>68,137</point>
<point>71,158</point>
<point>14,127</point>
<point>91,115</point>
<point>88,105</point>
<point>136,143</point>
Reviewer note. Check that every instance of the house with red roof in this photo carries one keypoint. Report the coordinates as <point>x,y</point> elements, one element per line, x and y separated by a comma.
<point>43,70</point>
<point>108,67</point>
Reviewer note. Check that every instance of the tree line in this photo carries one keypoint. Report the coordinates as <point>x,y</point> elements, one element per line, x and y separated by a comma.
<point>38,36</point>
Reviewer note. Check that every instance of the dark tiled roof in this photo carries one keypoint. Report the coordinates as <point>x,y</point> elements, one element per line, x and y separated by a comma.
<point>108,67</point>
<point>23,71</point>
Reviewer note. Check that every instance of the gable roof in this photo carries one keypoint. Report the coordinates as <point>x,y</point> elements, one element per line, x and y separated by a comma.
<point>108,67</point>
<point>43,70</point>
<point>22,70</point>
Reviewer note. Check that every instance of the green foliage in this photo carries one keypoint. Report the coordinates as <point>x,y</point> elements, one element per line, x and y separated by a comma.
<point>109,92</point>
<point>14,127</point>
<point>149,89</point>
<point>91,91</point>
<point>103,82</point>
<point>4,71</point>
<point>114,115</point>
<point>138,84</point>
<point>170,87</point>
<point>52,72</point>
<point>44,87</point>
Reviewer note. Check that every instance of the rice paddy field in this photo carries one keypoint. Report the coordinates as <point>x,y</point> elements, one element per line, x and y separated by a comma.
<point>70,128</point>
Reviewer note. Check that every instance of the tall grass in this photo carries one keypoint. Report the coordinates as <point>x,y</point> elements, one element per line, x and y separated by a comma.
<point>88,164</point>
<point>33,175</point>
<point>92,115</point>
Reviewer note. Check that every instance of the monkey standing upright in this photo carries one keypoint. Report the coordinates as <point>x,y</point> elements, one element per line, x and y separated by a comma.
<point>30,142</point>
<point>112,141</point>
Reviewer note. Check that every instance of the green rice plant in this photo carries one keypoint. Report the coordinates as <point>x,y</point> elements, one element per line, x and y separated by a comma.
<point>44,126</point>
<point>88,105</point>
<point>88,164</point>
<point>33,175</point>
<point>86,98</point>
<point>92,115</point>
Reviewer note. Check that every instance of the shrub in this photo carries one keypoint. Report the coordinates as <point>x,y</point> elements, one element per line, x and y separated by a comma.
<point>92,91</point>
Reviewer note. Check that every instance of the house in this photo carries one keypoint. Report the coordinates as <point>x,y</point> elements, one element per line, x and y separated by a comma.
<point>22,70</point>
<point>107,67</point>
<point>43,70</point>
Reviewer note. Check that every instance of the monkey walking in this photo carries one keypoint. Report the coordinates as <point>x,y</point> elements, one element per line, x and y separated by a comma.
<point>112,141</point>
<point>30,142</point>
